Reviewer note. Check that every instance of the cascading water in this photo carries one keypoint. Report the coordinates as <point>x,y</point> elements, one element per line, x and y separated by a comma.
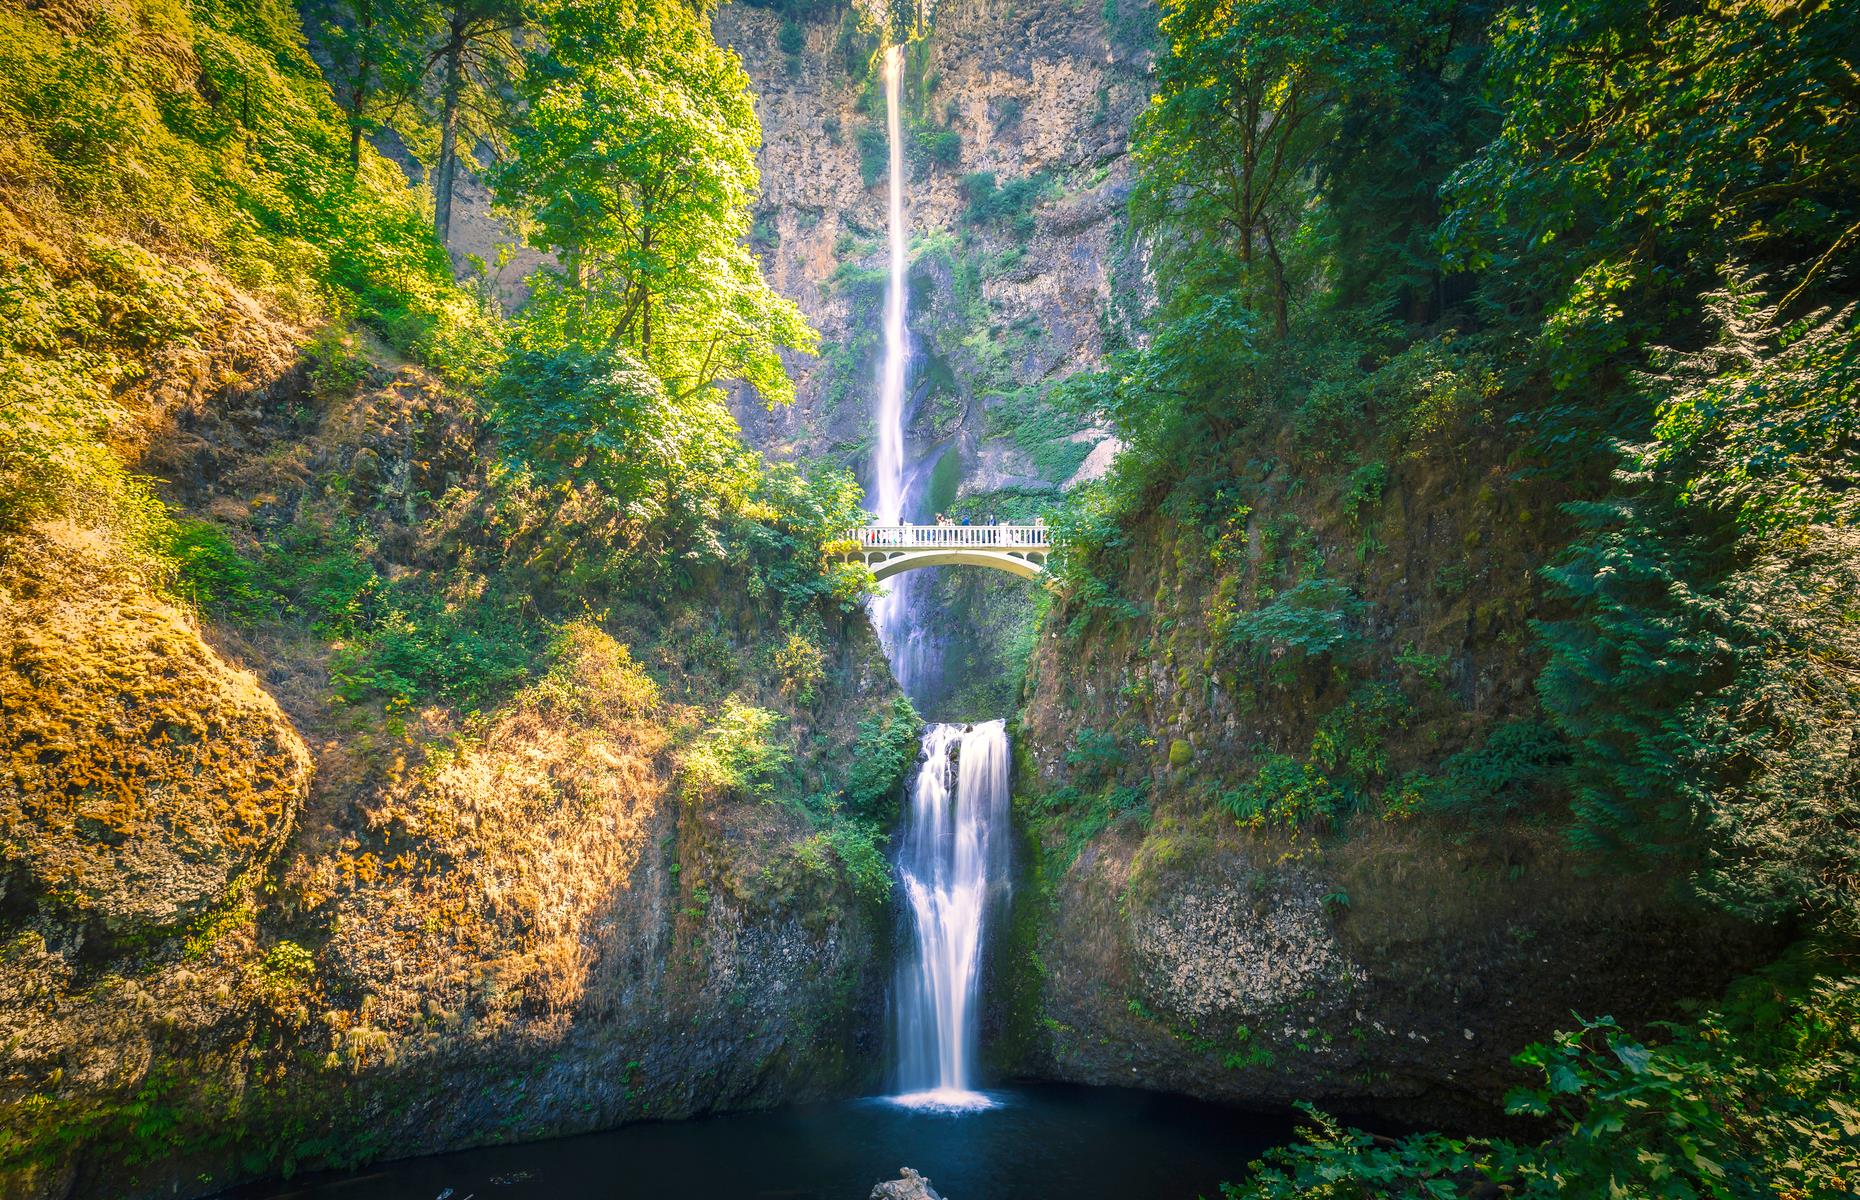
<point>892,612</point>
<point>953,854</point>
<point>953,858</point>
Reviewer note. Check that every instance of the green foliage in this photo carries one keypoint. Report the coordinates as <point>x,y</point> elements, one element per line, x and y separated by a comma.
<point>1643,145</point>
<point>859,849</point>
<point>633,159</point>
<point>795,518</point>
<point>1288,793</point>
<point>1041,431</point>
<point>1363,491</point>
<point>286,969</point>
<point>211,574</point>
<point>1517,762</point>
<point>1010,204</point>
<point>1707,682</point>
<point>884,753</point>
<point>1247,99</point>
<point>1351,739</point>
<point>379,51</point>
<point>792,39</point>
<point>735,755</point>
<point>1309,620</point>
<point>173,156</point>
<point>1095,755</point>
<point>1071,817</point>
<point>573,418</point>
<point>874,154</point>
<point>939,147</point>
<point>1750,1102</point>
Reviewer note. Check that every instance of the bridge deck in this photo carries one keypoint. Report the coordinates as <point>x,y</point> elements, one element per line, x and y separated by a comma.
<point>941,537</point>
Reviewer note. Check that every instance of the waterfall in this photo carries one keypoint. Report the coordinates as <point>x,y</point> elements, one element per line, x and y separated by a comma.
<point>893,612</point>
<point>954,855</point>
<point>953,851</point>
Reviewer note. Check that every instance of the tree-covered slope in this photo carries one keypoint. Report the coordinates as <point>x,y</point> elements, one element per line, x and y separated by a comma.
<point>421,725</point>
<point>1487,486</point>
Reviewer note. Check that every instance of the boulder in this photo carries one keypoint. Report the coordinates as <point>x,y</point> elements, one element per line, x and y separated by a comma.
<point>908,1186</point>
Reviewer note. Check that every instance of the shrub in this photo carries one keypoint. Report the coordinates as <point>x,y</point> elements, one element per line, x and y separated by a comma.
<point>211,574</point>
<point>1286,792</point>
<point>734,755</point>
<point>942,147</point>
<point>1095,756</point>
<point>1751,1102</point>
<point>1308,620</point>
<point>1010,204</point>
<point>886,748</point>
<point>874,154</point>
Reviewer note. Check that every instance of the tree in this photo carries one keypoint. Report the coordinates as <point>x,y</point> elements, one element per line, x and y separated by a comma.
<point>377,53</point>
<point>474,57</point>
<point>1642,144</point>
<point>1246,99</point>
<point>634,162</point>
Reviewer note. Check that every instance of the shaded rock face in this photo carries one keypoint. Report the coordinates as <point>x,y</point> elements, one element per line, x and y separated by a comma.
<point>1392,960</point>
<point>144,776</point>
<point>1392,972</point>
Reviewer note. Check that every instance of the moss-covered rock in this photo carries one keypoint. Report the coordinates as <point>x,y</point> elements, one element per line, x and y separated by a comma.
<point>141,776</point>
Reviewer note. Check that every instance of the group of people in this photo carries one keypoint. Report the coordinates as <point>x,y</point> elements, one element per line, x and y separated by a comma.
<point>944,532</point>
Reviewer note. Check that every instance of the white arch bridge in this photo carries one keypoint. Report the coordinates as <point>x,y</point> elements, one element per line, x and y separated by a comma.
<point>893,549</point>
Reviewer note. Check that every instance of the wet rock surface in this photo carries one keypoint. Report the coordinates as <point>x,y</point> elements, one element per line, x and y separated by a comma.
<point>908,1186</point>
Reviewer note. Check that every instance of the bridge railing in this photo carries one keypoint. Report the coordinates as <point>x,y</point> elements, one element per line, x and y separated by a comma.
<point>994,537</point>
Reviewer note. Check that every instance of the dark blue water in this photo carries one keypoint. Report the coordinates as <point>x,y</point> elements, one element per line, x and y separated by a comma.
<point>1037,1143</point>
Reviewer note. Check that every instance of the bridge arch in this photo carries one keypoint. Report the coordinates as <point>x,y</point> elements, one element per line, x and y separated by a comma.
<point>1026,564</point>
<point>894,549</point>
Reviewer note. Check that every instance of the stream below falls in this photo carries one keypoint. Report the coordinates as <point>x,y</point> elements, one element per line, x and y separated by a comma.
<point>1031,1143</point>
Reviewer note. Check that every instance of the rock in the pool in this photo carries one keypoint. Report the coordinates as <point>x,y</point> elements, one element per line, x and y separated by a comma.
<point>908,1186</point>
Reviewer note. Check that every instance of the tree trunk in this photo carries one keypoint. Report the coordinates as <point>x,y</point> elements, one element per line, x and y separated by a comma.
<point>447,169</point>
<point>1280,323</point>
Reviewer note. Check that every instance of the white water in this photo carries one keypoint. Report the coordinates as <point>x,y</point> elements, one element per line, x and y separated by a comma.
<point>953,853</point>
<point>891,612</point>
<point>953,858</point>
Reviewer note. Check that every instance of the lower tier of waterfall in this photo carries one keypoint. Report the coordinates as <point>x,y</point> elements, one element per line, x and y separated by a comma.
<point>953,871</point>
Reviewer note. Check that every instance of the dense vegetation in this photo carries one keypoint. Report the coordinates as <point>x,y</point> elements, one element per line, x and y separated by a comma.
<point>170,160</point>
<point>1618,240</point>
<point>238,371</point>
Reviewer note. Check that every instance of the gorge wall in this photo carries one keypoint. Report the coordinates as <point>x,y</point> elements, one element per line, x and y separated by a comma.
<point>251,926</point>
<point>1017,124</point>
<point>1296,829</point>
<point>1162,944</point>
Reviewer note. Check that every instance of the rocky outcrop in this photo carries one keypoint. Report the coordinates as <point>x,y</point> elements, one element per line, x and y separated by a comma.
<point>1264,878</point>
<point>249,924</point>
<point>908,1186</point>
<point>144,777</point>
<point>1393,969</point>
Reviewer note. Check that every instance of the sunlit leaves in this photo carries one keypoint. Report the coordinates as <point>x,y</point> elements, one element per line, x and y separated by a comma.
<point>634,161</point>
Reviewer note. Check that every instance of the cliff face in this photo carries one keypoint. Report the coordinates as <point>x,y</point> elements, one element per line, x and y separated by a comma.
<point>251,924</point>
<point>1016,123</point>
<point>1272,858</point>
